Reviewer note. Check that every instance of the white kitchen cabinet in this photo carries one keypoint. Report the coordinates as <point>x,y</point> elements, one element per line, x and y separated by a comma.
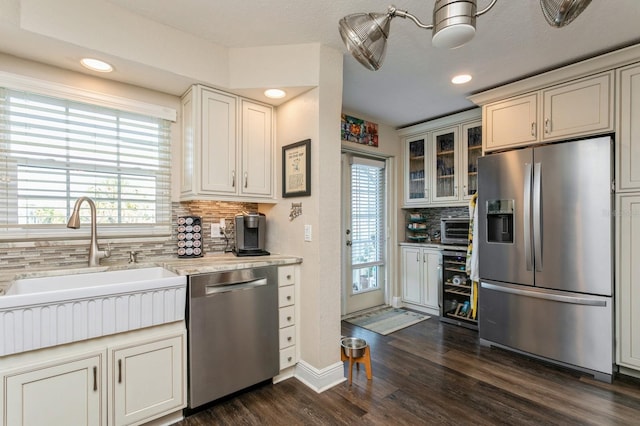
<point>227,147</point>
<point>573,109</point>
<point>147,380</point>
<point>441,160</point>
<point>628,132</point>
<point>420,277</point>
<point>288,280</point>
<point>69,391</point>
<point>127,378</point>
<point>628,282</point>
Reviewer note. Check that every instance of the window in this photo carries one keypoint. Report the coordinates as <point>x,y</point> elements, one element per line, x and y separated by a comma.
<point>53,151</point>
<point>367,223</point>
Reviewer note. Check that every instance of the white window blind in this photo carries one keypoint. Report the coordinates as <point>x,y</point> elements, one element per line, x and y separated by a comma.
<point>367,212</point>
<point>53,151</point>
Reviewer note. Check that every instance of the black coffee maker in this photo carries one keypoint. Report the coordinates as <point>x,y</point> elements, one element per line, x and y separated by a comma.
<point>250,229</point>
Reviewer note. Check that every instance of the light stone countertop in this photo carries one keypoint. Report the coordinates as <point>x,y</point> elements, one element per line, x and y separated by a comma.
<point>213,262</point>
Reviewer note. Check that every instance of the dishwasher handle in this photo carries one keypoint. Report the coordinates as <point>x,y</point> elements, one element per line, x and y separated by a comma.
<point>228,287</point>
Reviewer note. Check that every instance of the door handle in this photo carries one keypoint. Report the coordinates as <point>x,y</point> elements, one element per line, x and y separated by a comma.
<point>246,179</point>
<point>233,178</point>
<point>95,379</point>
<point>533,129</point>
<point>527,217</point>
<point>585,300</point>
<point>537,215</point>
<point>119,371</point>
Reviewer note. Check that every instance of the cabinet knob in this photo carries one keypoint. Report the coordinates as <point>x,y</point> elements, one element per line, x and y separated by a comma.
<point>288,297</point>
<point>289,339</point>
<point>288,318</point>
<point>289,359</point>
<point>289,277</point>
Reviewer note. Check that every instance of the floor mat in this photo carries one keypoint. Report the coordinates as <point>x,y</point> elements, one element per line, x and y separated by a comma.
<point>386,320</point>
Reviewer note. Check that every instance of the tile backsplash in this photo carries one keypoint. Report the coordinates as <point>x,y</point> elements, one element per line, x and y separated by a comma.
<point>432,216</point>
<point>73,254</point>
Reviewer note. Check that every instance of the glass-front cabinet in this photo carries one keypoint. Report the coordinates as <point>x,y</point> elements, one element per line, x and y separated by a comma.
<point>445,170</point>
<point>441,160</point>
<point>416,188</point>
<point>472,150</point>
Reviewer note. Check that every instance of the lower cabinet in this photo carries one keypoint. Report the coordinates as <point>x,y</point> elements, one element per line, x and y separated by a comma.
<point>110,381</point>
<point>287,286</point>
<point>146,380</point>
<point>627,289</point>
<point>67,392</point>
<point>421,276</point>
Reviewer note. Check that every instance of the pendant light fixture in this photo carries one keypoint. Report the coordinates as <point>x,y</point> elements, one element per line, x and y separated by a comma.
<point>454,24</point>
<point>559,13</point>
<point>365,34</point>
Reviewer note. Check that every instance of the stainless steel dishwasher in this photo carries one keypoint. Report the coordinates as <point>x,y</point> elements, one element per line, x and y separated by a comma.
<point>232,321</point>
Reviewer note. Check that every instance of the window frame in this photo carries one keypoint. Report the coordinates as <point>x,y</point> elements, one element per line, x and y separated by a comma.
<point>64,92</point>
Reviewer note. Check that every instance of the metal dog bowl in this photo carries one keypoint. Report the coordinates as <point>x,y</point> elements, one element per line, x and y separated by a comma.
<point>353,347</point>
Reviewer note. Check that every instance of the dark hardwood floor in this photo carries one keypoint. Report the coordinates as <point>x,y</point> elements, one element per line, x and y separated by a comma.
<point>435,373</point>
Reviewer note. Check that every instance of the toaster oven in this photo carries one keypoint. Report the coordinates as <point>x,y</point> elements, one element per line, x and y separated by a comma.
<point>454,230</point>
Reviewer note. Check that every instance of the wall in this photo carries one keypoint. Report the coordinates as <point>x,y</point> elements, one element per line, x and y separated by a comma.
<point>315,115</point>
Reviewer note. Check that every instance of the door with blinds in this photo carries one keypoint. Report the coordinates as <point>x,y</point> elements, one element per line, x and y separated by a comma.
<point>364,232</point>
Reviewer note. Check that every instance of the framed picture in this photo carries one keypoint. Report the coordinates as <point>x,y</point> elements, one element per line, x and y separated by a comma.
<point>359,131</point>
<point>296,169</point>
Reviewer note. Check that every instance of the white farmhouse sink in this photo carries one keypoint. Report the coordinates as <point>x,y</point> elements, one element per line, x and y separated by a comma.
<point>48,311</point>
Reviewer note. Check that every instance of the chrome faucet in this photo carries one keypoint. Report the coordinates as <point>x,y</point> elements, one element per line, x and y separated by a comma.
<point>95,254</point>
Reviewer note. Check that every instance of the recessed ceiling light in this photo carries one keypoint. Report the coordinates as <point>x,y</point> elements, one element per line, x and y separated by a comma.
<point>461,79</point>
<point>275,93</point>
<point>96,65</point>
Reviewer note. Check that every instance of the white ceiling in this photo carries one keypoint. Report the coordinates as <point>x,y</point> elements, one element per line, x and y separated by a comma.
<point>512,41</point>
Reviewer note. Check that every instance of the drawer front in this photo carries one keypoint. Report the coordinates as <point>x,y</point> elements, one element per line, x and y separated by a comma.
<point>287,357</point>
<point>287,337</point>
<point>286,275</point>
<point>287,316</point>
<point>286,295</point>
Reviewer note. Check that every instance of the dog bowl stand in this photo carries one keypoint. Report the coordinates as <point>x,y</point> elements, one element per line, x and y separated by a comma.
<point>364,359</point>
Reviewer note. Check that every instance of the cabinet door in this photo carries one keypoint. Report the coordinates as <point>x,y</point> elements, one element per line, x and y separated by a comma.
<point>411,275</point>
<point>510,123</point>
<point>628,282</point>
<point>68,393</point>
<point>256,149</point>
<point>578,108</point>
<point>148,380</point>
<point>471,150</point>
<point>415,187</point>
<point>188,142</point>
<point>444,165</point>
<point>431,273</point>
<point>629,132</point>
<point>218,160</point>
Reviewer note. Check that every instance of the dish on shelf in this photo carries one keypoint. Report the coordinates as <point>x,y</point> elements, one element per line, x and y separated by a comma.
<point>417,238</point>
<point>417,226</point>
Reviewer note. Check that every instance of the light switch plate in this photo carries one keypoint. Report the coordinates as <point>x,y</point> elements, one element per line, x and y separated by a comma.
<point>307,232</point>
<point>215,230</point>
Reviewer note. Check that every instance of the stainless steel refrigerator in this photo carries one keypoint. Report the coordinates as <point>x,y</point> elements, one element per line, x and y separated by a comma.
<point>546,253</point>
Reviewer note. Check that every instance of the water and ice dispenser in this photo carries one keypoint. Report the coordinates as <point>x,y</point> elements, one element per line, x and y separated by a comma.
<point>500,221</point>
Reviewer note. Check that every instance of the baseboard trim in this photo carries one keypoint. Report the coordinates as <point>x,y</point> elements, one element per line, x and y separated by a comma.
<point>320,380</point>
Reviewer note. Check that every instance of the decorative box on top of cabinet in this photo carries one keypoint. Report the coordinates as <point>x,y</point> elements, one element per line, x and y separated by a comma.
<point>572,109</point>
<point>227,147</point>
<point>440,160</point>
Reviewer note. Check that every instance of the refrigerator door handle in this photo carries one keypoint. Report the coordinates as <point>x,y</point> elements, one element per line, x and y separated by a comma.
<point>537,215</point>
<point>528,254</point>
<point>589,301</point>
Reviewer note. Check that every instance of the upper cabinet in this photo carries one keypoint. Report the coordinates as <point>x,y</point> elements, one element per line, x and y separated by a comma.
<point>628,132</point>
<point>440,160</point>
<point>577,108</point>
<point>227,147</point>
